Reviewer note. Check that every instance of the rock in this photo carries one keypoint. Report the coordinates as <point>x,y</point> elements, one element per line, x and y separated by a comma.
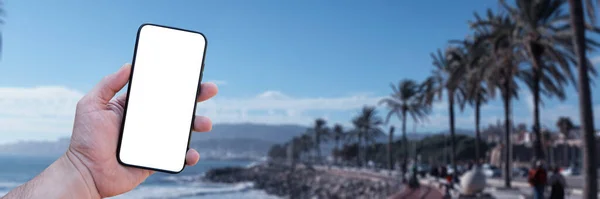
<point>226,175</point>
<point>283,180</point>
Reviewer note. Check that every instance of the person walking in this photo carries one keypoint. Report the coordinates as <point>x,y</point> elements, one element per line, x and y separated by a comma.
<point>435,172</point>
<point>557,184</point>
<point>443,172</point>
<point>537,178</point>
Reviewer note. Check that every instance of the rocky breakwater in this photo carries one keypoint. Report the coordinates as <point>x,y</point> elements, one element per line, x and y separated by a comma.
<point>305,182</point>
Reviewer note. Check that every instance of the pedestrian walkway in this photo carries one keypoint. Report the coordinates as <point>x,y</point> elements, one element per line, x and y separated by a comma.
<point>520,193</point>
<point>497,190</point>
<point>526,188</point>
<point>423,192</point>
<point>430,188</point>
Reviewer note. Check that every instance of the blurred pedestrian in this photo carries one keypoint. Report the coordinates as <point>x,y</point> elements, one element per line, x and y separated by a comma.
<point>537,178</point>
<point>443,172</point>
<point>557,184</point>
<point>433,171</point>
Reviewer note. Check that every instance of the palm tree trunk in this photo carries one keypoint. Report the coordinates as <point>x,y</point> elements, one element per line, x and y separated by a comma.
<point>445,152</point>
<point>366,150</point>
<point>452,137</point>
<point>550,156</point>
<point>389,147</point>
<point>538,150</point>
<point>565,156</point>
<point>318,146</point>
<point>415,144</point>
<point>477,135</point>
<point>335,157</point>
<point>358,163</point>
<point>405,146</point>
<point>590,187</point>
<point>507,136</point>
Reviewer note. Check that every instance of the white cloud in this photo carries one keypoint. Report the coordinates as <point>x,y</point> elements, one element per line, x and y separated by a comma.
<point>276,95</point>
<point>217,82</point>
<point>529,101</point>
<point>273,100</point>
<point>279,108</point>
<point>47,112</point>
<point>25,112</point>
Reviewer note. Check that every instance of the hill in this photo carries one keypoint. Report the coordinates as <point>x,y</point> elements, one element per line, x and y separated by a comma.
<point>224,141</point>
<point>272,133</point>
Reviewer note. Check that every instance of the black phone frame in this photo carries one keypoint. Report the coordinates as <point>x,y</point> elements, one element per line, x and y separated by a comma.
<point>198,91</point>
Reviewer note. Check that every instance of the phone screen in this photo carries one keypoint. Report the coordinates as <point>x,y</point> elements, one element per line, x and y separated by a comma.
<point>166,74</point>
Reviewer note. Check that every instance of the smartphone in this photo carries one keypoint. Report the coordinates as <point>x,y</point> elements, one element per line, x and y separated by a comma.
<point>161,100</point>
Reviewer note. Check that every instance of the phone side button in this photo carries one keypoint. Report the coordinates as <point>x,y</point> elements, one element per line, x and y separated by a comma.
<point>192,124</point>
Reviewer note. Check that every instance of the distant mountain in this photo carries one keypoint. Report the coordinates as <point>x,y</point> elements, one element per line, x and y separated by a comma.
<point>36,148</point>
<point>272,133</point>
<point>420,135</point>
<point>459,132</point>
<point>224,141</point>
<point>232,148</point>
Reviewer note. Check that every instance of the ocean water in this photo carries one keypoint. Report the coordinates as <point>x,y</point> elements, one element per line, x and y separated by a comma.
<point>14,171</point>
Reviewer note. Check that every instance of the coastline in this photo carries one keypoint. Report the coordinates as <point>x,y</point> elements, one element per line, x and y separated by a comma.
<point>303,181</point>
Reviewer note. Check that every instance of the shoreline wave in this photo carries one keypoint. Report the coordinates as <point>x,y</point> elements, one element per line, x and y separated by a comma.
<point>190,185</point>
<point>161,191</point>
<point>181,187</point>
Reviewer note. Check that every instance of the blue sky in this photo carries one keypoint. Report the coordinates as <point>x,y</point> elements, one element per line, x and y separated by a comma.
<point>275,61</point>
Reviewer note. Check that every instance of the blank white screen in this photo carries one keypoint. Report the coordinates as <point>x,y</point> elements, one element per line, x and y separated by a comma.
<point>162,95</point>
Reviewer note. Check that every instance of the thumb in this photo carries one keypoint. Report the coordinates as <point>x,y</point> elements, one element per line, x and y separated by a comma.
<point>111,84</point>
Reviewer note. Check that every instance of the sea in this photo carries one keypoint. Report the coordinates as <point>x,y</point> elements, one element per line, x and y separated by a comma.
<point>16,170</point>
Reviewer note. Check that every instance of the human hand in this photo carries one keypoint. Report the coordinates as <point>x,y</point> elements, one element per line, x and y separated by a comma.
<point>96,132</point>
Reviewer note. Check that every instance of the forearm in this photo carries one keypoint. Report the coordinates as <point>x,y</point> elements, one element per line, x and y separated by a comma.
<point>61,179</point>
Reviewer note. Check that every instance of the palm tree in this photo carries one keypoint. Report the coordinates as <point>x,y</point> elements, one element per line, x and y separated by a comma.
<point>367,127</point>
<point>297,148</point>
<point>307,144</point>
<point>545,41</point>
<point>547,141</point>
<point>406,100</point>
<point>371,123</point>
<point>543,33</point>
<point>357,133</point>
<point>475,55</point>
<point>445,77</point>
<point>338,134</point>
<point>590,187</point>
<point>321,132</point>
<point>476,96</point>
<point>565,125</point>
<point>500,73</point>
<point>390,158</point>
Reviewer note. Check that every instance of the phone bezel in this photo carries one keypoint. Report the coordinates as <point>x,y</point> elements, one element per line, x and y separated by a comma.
<point>198,91</point>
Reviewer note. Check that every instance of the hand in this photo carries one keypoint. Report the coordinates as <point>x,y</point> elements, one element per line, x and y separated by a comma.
<point>96,132</point>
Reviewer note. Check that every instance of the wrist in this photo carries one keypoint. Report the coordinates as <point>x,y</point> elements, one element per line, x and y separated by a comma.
<point>80,175</point>
<point>65,178</point>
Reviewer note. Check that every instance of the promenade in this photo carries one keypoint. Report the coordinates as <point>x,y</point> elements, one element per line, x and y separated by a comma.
<point>431,188</point>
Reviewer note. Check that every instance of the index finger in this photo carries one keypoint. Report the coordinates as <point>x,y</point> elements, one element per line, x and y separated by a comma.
<point>207,91</point>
